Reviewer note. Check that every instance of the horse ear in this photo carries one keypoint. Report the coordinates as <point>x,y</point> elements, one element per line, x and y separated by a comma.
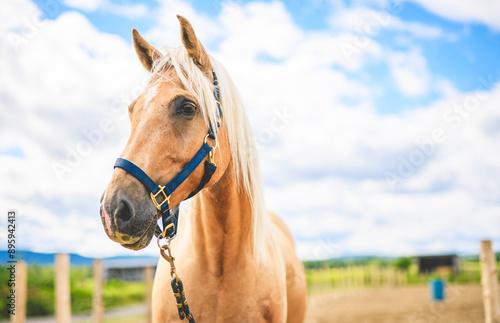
<point>146,52</point>
<point>193,46</point>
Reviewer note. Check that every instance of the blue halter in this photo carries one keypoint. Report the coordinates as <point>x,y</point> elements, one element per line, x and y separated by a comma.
<point>160,195</point>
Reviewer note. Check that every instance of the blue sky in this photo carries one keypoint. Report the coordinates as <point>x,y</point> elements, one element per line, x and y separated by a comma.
<point>391,147</point>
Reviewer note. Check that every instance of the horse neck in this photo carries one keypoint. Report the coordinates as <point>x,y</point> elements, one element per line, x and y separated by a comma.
<point>221,225</point>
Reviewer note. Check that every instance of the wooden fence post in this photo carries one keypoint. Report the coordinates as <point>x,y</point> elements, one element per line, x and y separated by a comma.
<point>21,292</point>
<point>390,274</point>
<point>375,277</point>
<point>362,268</point>
<point>360,276</point>
<point>98,304</point>
<point>62,284</point>
<point>148,277</point>
<point>332,277</point>
<point>343,276</point>
<point>489,280</point>
<point>349,277</point>
<point>401,277</point>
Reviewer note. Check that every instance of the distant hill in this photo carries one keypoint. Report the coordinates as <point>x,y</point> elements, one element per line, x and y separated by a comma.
<point>45,258</point>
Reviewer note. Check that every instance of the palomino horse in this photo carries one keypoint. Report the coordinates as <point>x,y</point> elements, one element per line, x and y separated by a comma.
<point>237,261</point>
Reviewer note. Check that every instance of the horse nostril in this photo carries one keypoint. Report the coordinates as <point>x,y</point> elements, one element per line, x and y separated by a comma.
<point>123,214</point>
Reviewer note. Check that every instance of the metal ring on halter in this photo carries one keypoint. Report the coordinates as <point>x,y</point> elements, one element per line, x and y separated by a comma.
<point>216,142</point>
<point>167,241</point>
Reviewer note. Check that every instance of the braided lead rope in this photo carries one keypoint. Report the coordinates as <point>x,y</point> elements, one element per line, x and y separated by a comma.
<point>177,287</point>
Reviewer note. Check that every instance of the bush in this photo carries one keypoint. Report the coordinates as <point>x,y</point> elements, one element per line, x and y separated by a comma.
<point>118,292</point>
<point>40,291</point>
<point>403,263</point>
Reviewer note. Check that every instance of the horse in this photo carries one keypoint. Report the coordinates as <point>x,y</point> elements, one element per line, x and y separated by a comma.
<point>237,260</point>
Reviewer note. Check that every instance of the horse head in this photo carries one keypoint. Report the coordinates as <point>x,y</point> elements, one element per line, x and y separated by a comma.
<point>169,123</point>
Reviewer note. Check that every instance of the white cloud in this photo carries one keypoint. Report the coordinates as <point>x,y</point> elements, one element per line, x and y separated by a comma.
<point>62,82</point>
<point>481,11</point>
<point>409,72</point>
<point>372,22</point>
<point>361,27</point>
<point>125,10</point>
<point>166,30</point>
<point>86,5</point>
<point>421,30</point>
<point>128,11</point>
<point>274,35</point>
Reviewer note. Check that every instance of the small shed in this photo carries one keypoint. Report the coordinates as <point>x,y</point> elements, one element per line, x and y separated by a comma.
<point>128,268</point>
<point>428,264</point>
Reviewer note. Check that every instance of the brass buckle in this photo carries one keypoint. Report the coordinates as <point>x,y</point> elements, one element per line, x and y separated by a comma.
<point>171,225</point>
<point>211,158</point>
<point>153,197</point>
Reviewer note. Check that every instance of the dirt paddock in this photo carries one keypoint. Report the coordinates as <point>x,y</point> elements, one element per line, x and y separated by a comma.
<point>463,304</point>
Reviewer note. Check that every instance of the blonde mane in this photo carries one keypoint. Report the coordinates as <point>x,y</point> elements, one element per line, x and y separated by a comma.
<point>235,120</point>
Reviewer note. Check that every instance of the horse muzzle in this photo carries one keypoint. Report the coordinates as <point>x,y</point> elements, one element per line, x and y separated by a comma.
<point>128,216</point>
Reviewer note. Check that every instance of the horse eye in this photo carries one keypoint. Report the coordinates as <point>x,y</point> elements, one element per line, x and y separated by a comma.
<point>188,108</point>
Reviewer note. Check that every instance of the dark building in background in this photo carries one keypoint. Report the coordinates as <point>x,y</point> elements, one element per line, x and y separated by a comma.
<point>428,264</point>
<point>129,269</point>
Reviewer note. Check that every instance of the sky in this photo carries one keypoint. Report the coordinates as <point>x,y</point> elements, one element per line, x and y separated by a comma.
<point>377,122</point>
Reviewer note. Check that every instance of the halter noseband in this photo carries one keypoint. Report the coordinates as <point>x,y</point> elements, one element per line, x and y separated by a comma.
<point>169,219</point>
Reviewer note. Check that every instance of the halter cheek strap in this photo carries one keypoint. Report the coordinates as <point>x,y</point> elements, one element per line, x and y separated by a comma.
<point>160,195</point>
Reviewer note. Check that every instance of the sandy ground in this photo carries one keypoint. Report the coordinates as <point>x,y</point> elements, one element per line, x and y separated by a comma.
<point>463,304</point>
